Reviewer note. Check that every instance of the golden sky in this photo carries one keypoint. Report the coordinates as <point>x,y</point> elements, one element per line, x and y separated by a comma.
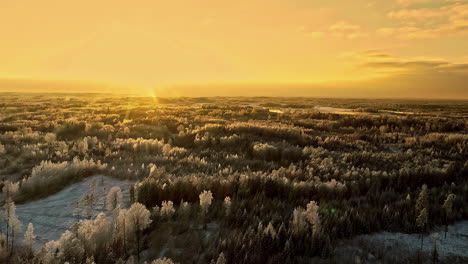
<point>376,48</point>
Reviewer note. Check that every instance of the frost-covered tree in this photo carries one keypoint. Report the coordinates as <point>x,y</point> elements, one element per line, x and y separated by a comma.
<point>298,221</point>
<point>13,225</point>
<point>85,234</point>
<point>167,209</point>
<point>70,248</point>
<point>50,252</point>
<point>122,227</point>
<point>448,205</point>
<point>29,236</point>
<point>94,234</point>
<point>133,196</point>
<point>131,260</point>
<point>138,218</point>
<point>421,222</point>
<point>103,226</point>
<point>163,261</point>
<point>423,199</point>
<point>114,198</point>
<point>270,230</point>
<point>227,204</point>
<point>9,189</point>
<point>48,177</point>
<point>206,197</point>
<point>50,137</point>
<point>422,211</point>
<point>313,217</point>
<point>221,259</point>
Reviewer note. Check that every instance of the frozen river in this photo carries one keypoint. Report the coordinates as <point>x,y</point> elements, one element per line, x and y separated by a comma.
<point>52,215</point>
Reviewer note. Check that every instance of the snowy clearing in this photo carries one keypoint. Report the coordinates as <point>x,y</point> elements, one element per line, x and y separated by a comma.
<point>399,244</point>
<point>53,215</point>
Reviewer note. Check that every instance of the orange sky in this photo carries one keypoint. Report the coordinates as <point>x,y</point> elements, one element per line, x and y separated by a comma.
<point>394,48</point>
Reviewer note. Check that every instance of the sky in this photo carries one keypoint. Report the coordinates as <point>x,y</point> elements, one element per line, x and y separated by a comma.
<point>325,48</point>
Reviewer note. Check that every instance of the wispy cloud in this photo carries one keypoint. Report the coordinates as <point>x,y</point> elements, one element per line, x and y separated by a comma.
<point>450,18</point>
<point>381,62</point>
<point>340,29</point>
<point>410,2</point>
<point>347,30</point>
<point>310,33</point>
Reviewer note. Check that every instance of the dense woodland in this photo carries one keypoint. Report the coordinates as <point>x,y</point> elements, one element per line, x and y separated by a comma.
<point>232,180</point>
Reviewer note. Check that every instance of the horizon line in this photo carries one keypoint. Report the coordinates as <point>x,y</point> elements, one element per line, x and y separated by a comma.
<point>47,93</point>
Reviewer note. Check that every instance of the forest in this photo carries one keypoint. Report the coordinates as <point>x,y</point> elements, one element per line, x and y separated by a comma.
<point>232,179</point>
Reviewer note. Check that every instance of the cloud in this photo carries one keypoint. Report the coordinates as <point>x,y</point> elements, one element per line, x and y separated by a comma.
<point>393,76</point>
<point>406,3</point>
<point>380,62</point>
<point>410,2</point>
<point>340,29</point>
<point>344,26</point>
<point>421,13</point>
<point>429,22</point>
<point>404,65</point>
<point>347,30</point>
<point>455,67</point>
<point>309,33</point>
<point>375,54</point>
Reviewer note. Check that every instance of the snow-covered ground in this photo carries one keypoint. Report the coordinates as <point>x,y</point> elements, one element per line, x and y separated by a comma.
<point>52,215</point>
<point>399,244</point>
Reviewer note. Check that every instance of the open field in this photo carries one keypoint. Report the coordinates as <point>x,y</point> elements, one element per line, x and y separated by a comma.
<point>56,213</point>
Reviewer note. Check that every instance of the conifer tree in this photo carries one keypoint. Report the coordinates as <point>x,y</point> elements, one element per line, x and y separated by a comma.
<point>29,236</point>
<point>448,205</point>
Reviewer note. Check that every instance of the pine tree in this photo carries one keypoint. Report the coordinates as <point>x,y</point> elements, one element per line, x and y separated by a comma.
<point>206,197</point>
<point>163,261</point>
<point>9,189</point>
<point>122,227</point>
<point>298,221</point>
<point>14,224</point>
<point>448,205</point>
<point>114,198</point>
<point>221,259</point>
<point>167,209</point>
<point>138,218</point>
<point>132,194</point>
<point>423,199</point>
<point>422,211</point>
<point>29,236</point>
<point>313,217</point>
<point>270,230</point>
<point>421,222</point>
<point>227,204</point>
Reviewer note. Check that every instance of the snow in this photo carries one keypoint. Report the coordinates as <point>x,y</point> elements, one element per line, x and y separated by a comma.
<point>53,215</point>
<point>456,243</point>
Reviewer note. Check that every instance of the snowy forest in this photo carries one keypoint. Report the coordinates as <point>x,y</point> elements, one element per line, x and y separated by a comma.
<point>113,179</point>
